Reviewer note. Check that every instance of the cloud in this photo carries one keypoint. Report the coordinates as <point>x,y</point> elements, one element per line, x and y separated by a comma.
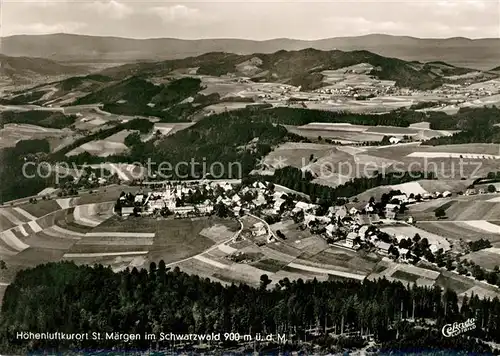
<point>43,28</point>
<point>112,9</point>
<point>455,6</point>
<point>176,13</point>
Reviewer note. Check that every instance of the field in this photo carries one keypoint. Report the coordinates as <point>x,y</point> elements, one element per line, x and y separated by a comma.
<point>41,207</point>
<point>360,133</point>
<point>297,154</point>
<point>112,145</point>
<point>445,161</point>
<point>482,207</point>
<point>406,274</point>
<point>487,258</point>
<point>455,231</point>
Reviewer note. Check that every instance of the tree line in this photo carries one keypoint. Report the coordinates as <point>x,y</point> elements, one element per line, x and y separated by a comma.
<point>300,181</point>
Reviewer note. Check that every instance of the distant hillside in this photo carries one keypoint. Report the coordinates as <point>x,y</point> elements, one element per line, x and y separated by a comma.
<point>480,54</point>
<point>298,68</point>
<point>24,69</point>
<point>130,90</point>
<point>137,96</point>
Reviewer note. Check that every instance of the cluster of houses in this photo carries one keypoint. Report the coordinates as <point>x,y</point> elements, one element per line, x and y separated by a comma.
<point>347,225</point>
<point>168,197</point>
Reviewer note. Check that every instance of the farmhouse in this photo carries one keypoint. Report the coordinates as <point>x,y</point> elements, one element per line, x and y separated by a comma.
<point>330,229</point>
<point>446,194</point>
<point>471,191</point>
<point>391,210</point>
<point>383,247</point>
<point>349,242</point>
<point>127,211</point>
<point>395,140</point>
<point>402,198</point>
<point>184,211</point>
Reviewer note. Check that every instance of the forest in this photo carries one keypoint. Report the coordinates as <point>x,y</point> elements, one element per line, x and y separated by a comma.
<point>50,119</point>
<point>68,298</point>
<point>13,183</point>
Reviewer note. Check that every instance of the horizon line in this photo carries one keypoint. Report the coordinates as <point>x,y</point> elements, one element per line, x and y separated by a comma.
<point>252,39</point>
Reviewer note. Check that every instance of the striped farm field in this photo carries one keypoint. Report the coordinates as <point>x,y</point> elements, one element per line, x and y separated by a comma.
<point>51,239</point>
<point>9,218</point>
<point>78,248</point>
<point>12,241</point>
<point>92,215</point>
<point>33,256</point>
<point>68,222</point>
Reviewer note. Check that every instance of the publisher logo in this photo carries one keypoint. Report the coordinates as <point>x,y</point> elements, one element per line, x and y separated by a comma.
<point>455,329</point>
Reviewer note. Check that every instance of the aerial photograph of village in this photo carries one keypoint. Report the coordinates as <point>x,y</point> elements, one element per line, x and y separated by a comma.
<point>265,178</point>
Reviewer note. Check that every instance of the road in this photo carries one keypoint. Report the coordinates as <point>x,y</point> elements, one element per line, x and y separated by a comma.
<point>210,248</point>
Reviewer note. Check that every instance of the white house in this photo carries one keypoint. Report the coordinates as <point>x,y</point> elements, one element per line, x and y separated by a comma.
<point>349,242</point>
<point>446,194</point>
<point>383,246</point>
<point>139,198</point>
<point>127,211</point>
<point>395,140</point>
<point>353,211</point>
<point>362,231</point>
<point>277,204</point>
<point>433,248</point>
<point>369,208</point>
<point>402,198</point>
<point>330,229</point>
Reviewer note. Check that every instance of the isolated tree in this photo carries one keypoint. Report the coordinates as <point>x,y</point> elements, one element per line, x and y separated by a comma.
<point>3,265</point>
<point>491,188</point>
<point>264,281</point>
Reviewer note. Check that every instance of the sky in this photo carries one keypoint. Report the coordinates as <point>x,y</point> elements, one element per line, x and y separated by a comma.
<point>253,19</point>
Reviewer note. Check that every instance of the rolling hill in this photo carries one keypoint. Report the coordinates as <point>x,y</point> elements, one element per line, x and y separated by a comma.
<point>24,70</point>
<point>480,54</point>
<point>144,88</point>
<point>299,68</point>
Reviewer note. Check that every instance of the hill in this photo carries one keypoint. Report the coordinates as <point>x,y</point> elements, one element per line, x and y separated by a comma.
<point>299,68</point>
<point>147,86</point>
<point>478,53</point>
